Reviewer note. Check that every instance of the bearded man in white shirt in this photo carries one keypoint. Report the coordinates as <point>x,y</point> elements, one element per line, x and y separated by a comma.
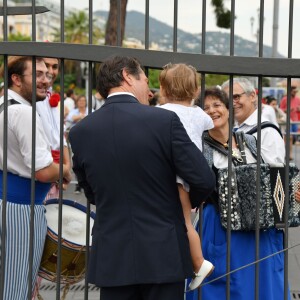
<point>18,168</point>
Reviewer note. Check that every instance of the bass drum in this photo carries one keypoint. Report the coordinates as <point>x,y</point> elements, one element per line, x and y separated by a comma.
<point>73,242</point>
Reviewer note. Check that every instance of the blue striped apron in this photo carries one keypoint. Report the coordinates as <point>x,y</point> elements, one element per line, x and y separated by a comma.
<point>18,234</point>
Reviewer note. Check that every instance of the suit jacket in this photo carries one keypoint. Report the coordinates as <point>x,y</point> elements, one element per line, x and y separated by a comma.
<point>126,157</point>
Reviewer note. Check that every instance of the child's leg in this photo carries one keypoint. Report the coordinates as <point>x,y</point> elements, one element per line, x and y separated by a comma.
<point>194,239</point>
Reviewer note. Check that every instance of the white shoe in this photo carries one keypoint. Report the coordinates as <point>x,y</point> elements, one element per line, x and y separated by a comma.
<point>206,269</point>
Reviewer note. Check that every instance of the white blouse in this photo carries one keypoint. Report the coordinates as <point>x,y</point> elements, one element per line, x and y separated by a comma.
<point>221,161</point>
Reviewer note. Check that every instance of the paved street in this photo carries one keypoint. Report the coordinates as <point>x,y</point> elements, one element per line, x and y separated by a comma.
<point>76,292</point>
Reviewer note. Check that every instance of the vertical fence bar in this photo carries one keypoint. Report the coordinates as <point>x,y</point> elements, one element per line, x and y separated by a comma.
<point>228,231</point>
<point>147,24</point>
<point>261,29</point>
<point>175,25</point>
<point>228,260</point>
<point>119,32</point>
<point>60,200</point>
<point>4,181</point>
<point>259,111</point>
<point>203,50</point>
<point>88,205</point>
<point>288,145</point>
<point>258,194</point>
<point>147,17</point>
<point>201,104</point>
<point>286,187</point>
<point>32,204</point>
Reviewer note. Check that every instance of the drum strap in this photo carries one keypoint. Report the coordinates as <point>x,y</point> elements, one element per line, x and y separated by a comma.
<point>9,102</point>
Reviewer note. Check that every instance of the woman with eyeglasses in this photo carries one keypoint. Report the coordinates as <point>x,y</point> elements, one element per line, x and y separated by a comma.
<point>242,243</point>
<point>178,88</point>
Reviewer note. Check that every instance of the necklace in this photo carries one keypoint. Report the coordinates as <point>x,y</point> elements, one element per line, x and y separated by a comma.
<point>225,145</point>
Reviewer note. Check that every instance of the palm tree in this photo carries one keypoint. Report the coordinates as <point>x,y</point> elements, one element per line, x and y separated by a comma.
<point>77,29</point>
<point>77,32</point>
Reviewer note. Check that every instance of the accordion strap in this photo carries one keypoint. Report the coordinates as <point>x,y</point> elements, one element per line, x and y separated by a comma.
<point>240,140</point>
<point>212,143</point>
<point>9,102</point>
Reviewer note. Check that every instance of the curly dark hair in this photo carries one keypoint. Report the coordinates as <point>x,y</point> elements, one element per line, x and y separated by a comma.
<point>216,92</point>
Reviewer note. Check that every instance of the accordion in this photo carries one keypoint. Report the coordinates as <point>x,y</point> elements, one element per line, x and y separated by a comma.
<point>272,200</point>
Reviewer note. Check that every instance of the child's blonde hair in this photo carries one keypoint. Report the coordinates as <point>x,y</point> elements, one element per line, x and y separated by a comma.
<point>179,82</point>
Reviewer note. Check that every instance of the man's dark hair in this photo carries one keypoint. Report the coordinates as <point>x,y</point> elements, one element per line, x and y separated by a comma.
<point>110,73</point>
<point>269,99</point>
<point>17,65</point>
<point>70,92</point>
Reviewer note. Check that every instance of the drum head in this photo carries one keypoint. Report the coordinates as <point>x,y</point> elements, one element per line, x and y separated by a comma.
<point>73,220</point>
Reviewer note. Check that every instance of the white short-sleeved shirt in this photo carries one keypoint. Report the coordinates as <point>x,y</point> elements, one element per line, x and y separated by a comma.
<point>50,119</point>
<point>272,144</point>
<point>194,120</point>
<point>268,112</point>
<point>19,139</point>
<point>69,103</point>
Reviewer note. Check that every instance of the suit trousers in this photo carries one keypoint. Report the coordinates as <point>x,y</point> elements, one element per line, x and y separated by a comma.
<point>163,291</point>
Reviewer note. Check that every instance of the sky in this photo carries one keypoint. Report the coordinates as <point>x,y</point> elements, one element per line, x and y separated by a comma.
<point>190,18</point>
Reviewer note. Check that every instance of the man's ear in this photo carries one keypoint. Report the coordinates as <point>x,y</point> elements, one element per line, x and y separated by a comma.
<point>253,98</point>
<point>16,79</point>
<point>127,77</point>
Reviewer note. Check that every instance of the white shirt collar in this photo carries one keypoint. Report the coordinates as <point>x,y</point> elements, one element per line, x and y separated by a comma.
<point>13,95</point>
<point>120,93</point>
<point>251,121</point>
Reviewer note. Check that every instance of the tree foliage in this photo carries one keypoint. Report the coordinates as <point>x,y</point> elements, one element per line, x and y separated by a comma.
<point>222,13</point>
<point>210,79</point>
<point>77,29</point>
<point>15,37</point>
<point>153,75</point>
<point>215,79</point>
<point>77,32</point>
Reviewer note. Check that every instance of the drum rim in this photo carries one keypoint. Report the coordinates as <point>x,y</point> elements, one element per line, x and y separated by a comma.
<point>73,204</point>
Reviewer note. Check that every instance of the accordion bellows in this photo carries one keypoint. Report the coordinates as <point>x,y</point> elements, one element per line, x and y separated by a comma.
<point>243,187</point>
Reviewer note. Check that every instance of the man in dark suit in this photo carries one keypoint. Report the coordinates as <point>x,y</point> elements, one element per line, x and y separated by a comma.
<point>126,157</point>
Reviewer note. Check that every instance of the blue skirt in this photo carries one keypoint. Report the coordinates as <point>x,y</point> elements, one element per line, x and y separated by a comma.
<point>242,282</point>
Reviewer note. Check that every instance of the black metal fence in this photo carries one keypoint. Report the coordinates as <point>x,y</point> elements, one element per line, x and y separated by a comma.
<point>255,67</point>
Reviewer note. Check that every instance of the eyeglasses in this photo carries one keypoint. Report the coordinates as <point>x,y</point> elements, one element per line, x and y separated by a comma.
<point>237,97</point>
<point>40,76</point>
<point>167,66</point>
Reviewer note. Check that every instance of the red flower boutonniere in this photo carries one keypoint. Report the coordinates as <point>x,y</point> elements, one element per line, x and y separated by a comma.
<point>54,100</point>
